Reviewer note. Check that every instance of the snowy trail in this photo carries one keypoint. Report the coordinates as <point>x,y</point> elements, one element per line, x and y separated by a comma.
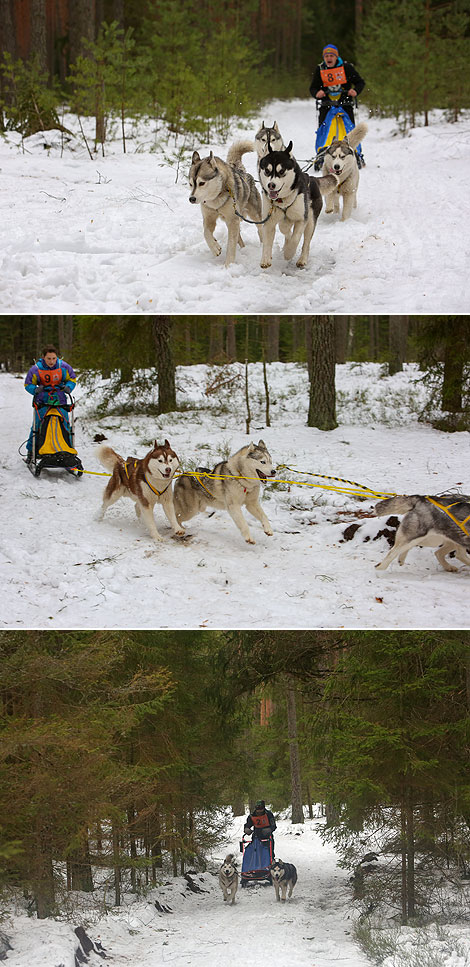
<point>60,568</point>
<point>312,929</point>
<point>117,235</point>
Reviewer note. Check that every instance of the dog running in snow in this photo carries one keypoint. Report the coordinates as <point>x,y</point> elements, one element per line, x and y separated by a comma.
<point>228,878</point>
<point>222,491</point>
<point>426,525</point>
<point>146,481</point>
<point>340,159</point>
<point>292,199</point>
<point>223,188</point>
<point>283,878</point>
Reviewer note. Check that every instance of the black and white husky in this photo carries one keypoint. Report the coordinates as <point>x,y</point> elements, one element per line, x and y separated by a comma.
<point>292,200</point>
<point>283,878</point>
<point>228,878</point>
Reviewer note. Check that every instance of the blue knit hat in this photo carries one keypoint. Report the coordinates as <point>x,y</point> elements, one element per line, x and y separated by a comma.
<point>330,47</point>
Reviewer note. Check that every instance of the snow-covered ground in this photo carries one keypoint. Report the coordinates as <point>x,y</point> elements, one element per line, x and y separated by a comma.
<point>315,928</point>
<point>60,568</point>
<point>117,235</point>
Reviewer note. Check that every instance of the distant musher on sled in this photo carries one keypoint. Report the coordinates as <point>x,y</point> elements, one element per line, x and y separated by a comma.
<point>335,86</point>
<point>51,440</point>
<point>257,845</point>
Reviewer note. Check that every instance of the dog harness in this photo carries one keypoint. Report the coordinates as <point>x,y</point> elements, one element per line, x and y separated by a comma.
<point>158,493</point>
<point>460,523</point>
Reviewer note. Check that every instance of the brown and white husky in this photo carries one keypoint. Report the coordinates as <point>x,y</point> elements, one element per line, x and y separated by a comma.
<point>146,481</point>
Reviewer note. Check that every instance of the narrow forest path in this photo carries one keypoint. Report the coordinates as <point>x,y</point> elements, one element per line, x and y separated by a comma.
<point>313,929</point>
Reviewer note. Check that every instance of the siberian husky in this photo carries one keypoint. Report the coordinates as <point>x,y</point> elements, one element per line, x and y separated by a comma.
<point>426,525</point>
<point>283,878</point>
<point>225,190</point>
<point>268,138</point>
<point>222,490</point>
<point>292,200</point>
<point>228,878</point>
<point>340,159</point>
<point>146,481</point>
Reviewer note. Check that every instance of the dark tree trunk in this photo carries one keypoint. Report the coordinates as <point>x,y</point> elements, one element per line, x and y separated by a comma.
<point>308,347</point>
<point>296,783</point>
<point>81,26</point>
<point>454,361</point>
<point>216,341</point>
<point>7,28</point>
<point>65,324</point>
<point>238,807</point>
<point>118,12</point>
<point>80,868</point>
<point>116,867</point>
<point>39,339</point>
<point>398,335</point>
<point>38,32</point>
<point>322,409</point>
<point>161,329</point>
<point>272,341</point>
<point>231,340</point>
<point>342,325</point>
<point>133,846</point>
<point>42,875</point>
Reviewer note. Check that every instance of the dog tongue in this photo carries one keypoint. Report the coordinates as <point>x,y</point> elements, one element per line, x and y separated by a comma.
<point>273,193</point>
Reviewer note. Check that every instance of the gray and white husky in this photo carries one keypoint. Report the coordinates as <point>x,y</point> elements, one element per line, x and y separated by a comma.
<point>291,199</point>
<point>283,878</point>
<point>221,489</point>
<point>228,878</point>
<point>426,525</point>
<point>268,138</point>
<point>223,188</point>
<point>340,160</point>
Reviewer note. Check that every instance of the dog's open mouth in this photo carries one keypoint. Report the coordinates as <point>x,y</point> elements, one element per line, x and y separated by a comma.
<point>273,193</point>
<point>261,475</point>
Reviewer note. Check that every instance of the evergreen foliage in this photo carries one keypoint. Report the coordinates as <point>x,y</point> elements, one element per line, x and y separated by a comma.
<point>27,103</point>
<point>415,58</point>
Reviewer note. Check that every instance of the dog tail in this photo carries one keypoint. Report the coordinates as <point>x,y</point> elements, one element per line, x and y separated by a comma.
<point>108,457</point>
<point>237,150</point>
<point>394,505</point>
<point>228,858</point>
<point>356,135</point>
<point>327,183</point>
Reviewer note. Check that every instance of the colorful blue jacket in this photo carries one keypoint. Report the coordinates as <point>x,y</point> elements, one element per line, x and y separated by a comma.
<point>56,378</point>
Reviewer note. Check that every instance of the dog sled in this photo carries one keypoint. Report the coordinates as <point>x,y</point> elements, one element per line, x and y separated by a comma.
<point>257,859</point>
<point>53,440</point>
<point>336,126</point>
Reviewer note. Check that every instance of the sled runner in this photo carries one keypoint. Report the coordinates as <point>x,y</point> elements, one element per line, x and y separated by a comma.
<point>257,858</point>
<point>336,125</point>
<point>53,440</point>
